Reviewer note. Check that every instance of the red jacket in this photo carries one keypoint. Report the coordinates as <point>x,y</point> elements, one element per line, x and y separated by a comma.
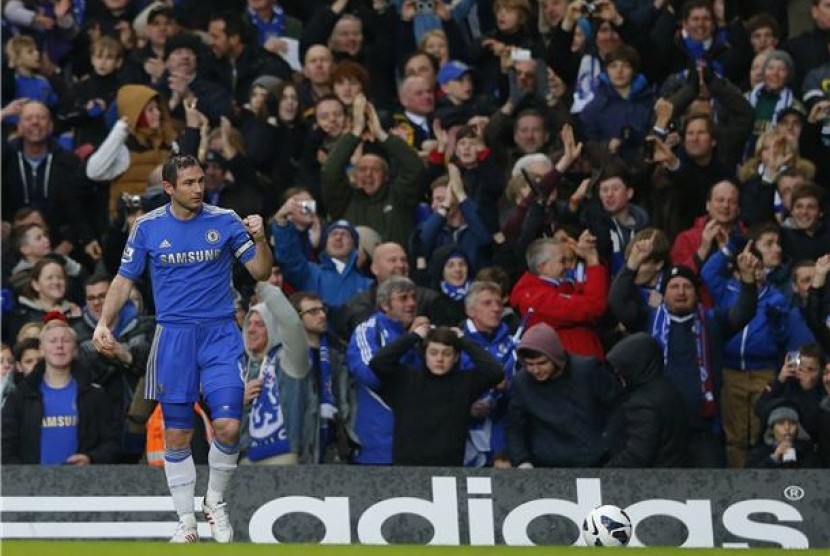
<point>683,252</point>
<point>687,243</point>
<point>571,309</point>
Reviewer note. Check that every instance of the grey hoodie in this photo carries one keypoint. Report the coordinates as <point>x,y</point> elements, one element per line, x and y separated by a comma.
<point>286,355</point>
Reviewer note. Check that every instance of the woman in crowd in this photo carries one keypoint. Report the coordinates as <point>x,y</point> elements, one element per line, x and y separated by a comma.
<point>44,294</point>
<point>141,140</point>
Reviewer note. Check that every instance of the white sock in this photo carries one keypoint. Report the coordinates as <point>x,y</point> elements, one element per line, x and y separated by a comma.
<point>222,461</point>
<point>181,480</point>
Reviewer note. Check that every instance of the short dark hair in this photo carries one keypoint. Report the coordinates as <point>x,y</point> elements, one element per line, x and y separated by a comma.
<point>803,263</point>
<point>97,278</point>
<point>761,20</point>
<point>530,112</point>
<point>18,237</point>
<point>760,229</point>
<point>443,335</point>
<point>690,5</point>
<point>24,345</point>
<point>617,169</point>
<point>808,190</point>
<point>297,298</point>
<point>330,96</point>
<point>706,118</point>
<point>814,351</point>
<point>170,170</point>
<point>436,64</point>
<point>625,54</point>
<point>234,25</point>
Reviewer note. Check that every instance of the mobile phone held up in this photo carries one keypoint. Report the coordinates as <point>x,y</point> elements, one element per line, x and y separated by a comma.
<point>520,55</point>
<point>424,6</point>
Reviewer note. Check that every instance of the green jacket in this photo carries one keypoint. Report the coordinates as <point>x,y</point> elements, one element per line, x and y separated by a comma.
<point>391,210</point>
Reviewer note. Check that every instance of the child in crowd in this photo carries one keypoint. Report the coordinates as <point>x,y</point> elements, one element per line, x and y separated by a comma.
<point>24,58</point>
<point>88,103</point>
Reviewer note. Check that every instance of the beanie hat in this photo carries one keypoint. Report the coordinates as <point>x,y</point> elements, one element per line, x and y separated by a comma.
<point>439,259</point>
<point>679,272</point>
<point>340,225</point>
<point>182,40</point>
<point>781,413</point>
<point>267,82</point>
<point>784,57</point>
<point>542,338</point>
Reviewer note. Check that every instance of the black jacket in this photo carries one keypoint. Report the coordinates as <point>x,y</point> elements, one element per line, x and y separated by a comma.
<point>649,427</point>
<point>64,185</point>
<point>23,413</point>
<point>560,422</point>
<point>807,451</point>
<point>809,50</point>
<point>238,77</point>
<point>432,412</point>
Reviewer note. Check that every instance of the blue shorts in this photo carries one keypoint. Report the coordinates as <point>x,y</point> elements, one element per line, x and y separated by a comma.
<point>185,357</point>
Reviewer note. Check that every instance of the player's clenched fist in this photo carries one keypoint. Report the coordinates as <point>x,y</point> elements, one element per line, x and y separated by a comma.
<point>253,224</point>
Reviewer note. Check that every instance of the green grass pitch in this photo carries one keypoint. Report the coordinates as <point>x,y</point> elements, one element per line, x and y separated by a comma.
<point>90,548</point>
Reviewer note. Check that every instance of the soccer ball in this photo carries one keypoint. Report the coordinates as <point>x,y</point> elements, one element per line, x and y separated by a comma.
<point>606,526</point>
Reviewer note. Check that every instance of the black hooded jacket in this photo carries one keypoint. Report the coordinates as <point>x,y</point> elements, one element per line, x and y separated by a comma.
<point>649,427</point>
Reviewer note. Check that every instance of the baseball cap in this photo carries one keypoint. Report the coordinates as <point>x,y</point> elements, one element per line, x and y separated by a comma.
<point>792,109</point>
<point>451,71</point>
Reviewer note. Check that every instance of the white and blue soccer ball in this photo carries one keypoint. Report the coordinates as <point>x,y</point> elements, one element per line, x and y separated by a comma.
<point>607,525</point>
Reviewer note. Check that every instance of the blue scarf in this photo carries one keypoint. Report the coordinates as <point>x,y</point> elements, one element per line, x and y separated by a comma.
<point>698,50</point>
<point>660,332</point>
<point>273,27</point>
<point>266,425</point>
<point>328,408</point>
<point>326,377</point>
<point>127,319</point>
<point>783,99</point>
<point>487,435</point>
<point>456,293</point>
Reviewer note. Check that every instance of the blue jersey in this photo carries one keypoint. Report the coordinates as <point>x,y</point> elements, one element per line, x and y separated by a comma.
<point>190,262</point>
<point>59,426</point>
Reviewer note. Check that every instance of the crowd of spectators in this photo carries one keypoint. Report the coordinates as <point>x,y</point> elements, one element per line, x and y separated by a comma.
<point>509,233</point>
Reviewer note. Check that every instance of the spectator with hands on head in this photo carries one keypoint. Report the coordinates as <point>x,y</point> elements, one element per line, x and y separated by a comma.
<point>431,401</point>
<point>383,204</point>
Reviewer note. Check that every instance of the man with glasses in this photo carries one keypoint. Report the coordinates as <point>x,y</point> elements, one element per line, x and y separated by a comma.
<point>330,380</point>
<point>122,372</point>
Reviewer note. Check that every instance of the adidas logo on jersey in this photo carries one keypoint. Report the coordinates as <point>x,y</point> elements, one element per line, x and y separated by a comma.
<point>164,244</point>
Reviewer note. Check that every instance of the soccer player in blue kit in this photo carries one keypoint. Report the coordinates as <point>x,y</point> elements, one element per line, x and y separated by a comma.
<point>189,247</point>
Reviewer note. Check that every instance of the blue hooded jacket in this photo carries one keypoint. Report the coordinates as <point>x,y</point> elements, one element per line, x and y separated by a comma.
<point>608,113</point>
<point>776,328</point>
<point>334,288</point>
<point>374,421</point>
